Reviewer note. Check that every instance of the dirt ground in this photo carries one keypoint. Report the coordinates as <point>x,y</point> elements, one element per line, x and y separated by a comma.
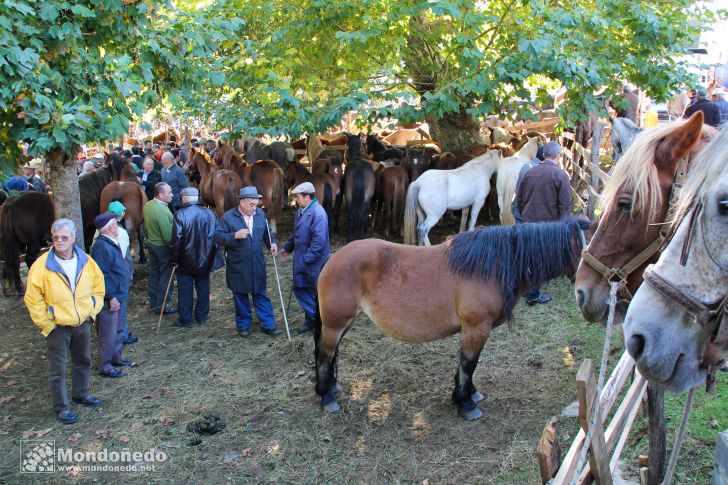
<point>397,423</point>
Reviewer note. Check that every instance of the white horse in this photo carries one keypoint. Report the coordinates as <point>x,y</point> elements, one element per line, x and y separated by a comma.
<point>508,171</point>
<point>674,341</point>
<point>624,132</point>
<point>436,191</point>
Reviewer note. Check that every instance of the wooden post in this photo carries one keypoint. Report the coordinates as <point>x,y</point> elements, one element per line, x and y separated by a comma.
<point>549,451</point>
<point>188,138</point>
<point>598,457</point>
<point>597,129</point>
<point>656,427</point>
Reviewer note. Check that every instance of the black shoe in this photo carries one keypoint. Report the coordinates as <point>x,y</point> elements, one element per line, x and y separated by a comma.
<point>131,339</point>
<point>67,417</point>
<point>202,323</point>
<point>244,333</point>
<point>271,331</point>
<point>540,300</point>
<point>116,373</point>
<point>179,324</point>
<point>124,363</point>
<point>88,401</point>
<point>307,326</point>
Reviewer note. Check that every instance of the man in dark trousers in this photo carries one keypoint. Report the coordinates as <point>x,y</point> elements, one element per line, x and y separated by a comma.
<point>711,112</point>
<point>544,196</point>
<point>107,254</point>
<point>158,221</point>
<point>243,231</point>
<point>193,252</point>
<point>310,245</point>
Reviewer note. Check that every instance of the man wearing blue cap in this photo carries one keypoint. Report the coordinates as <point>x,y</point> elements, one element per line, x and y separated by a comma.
<point>119,210</point>
<point>244,233</point>
<point>193,252</point>
<point>107,254</point>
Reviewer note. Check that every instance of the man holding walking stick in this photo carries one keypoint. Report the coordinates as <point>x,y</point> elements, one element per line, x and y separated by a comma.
<point>243,233</point>
<point>310,241</point>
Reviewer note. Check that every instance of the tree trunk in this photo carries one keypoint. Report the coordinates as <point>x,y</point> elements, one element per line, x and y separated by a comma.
<point>455,131</point>
<point>64,183</point>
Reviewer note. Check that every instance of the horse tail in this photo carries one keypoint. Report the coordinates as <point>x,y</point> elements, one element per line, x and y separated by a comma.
<point>397,202</point>
<point>328,201</point>
<point>358,198</point>
<point>9,245</point>
<point>506,192</point>
<point>410,214</point>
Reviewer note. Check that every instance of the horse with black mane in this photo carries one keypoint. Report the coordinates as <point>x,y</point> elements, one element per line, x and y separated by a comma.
<point>359,188</point>
<point>25,225</point>
<point>380,152</point>
<point>479,277</point>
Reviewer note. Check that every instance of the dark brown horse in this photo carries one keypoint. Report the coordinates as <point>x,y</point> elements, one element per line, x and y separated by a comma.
<point>469,284</point>
<point>25,225</point>
<point>133,197</point>
<point>392,183</point>
<point>267,176</point>
<point>333,167</point>
<point>226,157</point>
<point>90,187</point>
<point>359,189</point>
<point>324,184</point>
<point>219,187</point>
<point>635,204</point>
<point>416,161</point>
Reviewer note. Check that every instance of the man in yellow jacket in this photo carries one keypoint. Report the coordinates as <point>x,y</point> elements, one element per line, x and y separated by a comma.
<point>65,292</point>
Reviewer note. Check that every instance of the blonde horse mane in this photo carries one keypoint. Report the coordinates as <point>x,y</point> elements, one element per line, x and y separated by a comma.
<point>228,155</point>
<point>636,170</point>
<point>313,148</point>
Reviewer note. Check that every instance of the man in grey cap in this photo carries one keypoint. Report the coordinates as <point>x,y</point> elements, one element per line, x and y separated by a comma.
<point>244,233</point>
<point>711,113</point>
<point>310,245</point>
<point>193,253</point>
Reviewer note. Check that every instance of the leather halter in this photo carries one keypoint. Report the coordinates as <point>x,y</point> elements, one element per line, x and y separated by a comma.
<point>712,318</point>
<point>621,275</point>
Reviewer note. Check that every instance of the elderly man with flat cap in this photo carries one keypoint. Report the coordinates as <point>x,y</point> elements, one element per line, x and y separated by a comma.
<point>244,233</point>
<point>193,252</point>
<point>310,247</point>
<point>107,254</point>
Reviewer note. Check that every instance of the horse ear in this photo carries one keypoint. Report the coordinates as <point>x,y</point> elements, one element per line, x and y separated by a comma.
<point>680,141</point>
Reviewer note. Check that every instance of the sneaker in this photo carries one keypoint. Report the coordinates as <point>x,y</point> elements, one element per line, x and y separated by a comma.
<point>540,300</point>
<point>67,417</point>
<point>88,401</point>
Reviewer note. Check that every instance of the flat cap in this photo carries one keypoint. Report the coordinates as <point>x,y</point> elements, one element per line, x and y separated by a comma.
<point>304,188</point>
<point>190,192</point>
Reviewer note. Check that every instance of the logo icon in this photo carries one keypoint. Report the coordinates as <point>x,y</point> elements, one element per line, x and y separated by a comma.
<point>37,456</point>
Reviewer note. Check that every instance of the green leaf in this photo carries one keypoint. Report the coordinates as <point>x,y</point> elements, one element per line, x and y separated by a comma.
<point>82,11</point>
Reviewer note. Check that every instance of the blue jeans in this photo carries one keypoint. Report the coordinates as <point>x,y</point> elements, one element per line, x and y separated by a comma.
<point>263,307</point>
<point>307,299</point>
<point>185,284</point>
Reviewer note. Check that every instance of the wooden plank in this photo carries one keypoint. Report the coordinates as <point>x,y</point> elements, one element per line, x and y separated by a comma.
<point>568,135</point>
<point>546,125</point>
<point>608,397</point>
<point>549,451</point>
<point>596,170</point>
<point>577,197</point>
<point>421,142</point>
<point>625,432</point>
<point>656,432</point>
<point>586,387</point>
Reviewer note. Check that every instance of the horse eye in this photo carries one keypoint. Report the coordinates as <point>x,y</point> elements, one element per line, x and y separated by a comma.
<point>723,207</point>
<point>625,206</point>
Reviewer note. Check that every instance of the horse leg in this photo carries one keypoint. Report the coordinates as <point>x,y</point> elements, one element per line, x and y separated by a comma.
<point>140,239</point>
<point>465,395</point>
<point>464,219</point>
<point>326,349</point>
<point>424,228</point>
<point>474,211</point>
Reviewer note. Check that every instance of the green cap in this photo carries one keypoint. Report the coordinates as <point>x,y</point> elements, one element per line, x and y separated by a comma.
<point>117,208</point>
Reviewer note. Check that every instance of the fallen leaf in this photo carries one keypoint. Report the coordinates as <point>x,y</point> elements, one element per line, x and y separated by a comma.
<point>74,438</point>
<point>712,423</point>
<point>42,432</point>
<point>166,420</point>
<point>28,434</point>
<point>103,433</point>
<point>147,396</point>
<point>123,439</point>
<point>327,439</point>
<point>301,373</point>
<point>10,383</point>
<point>163,390</point>
<point>220,344</point>
<point>247,452</point>
<point>5,399</point>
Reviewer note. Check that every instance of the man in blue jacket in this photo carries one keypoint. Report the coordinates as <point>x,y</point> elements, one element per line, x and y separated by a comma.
<point>310,241</point>
<point>243,232</point>
<point>107,254</point>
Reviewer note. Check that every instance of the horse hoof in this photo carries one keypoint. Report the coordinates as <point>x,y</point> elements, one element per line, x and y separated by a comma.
<point>471,415</point>
<point>332,407</point>
<point>477,396</point>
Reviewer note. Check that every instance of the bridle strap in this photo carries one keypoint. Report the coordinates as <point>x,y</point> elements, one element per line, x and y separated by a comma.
<point>713,319</point>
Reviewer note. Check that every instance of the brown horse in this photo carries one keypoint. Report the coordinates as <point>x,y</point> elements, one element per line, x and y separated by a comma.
<point>469,284</point>
<point>635,206</point>
<point>391,189</point>
<point>226,157</point>
<point>324,184</point>
<point>25,225</point>
<point>267,176</point>
<point>333,167</point>
<point>219,187</point>
<point>133,197</point>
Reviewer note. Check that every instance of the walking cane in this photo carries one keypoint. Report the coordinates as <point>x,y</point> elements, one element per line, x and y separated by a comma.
<point>164,301</point>
<point>278,280</point>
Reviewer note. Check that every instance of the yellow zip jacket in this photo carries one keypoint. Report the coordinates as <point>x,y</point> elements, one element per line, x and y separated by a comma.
<point>48,293</point>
